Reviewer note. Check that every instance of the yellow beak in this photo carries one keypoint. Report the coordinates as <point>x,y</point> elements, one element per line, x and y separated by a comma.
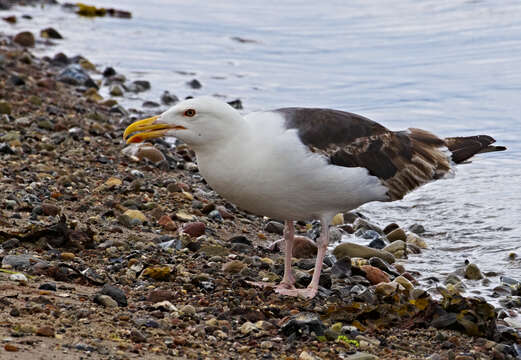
<point>146,129</point>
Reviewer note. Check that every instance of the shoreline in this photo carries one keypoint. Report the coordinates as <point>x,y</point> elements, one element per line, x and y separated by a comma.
<point>186,298</point>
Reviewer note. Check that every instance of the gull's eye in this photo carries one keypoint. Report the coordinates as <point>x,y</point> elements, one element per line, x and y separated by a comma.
<point>189,112</point>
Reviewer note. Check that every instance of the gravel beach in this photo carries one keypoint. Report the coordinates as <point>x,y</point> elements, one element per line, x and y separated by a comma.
<point>117,252</point>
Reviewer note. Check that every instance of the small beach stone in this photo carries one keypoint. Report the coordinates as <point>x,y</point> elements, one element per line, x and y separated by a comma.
<point>390,228</point>
<point>274,227</point>
<point>50,33</point>
<point>46,331</point>
<point>375,275</point>
<point>303,247</point>
<point>195,84</point>
<point>25,38</point>
<point>168,99</point>
<point>115,293</point>
<point>105,301</point>
<point>234,267</point>
<point>472,272</point>
<point>396,234</point>
<point>135,215</point>
<point>353,250</point>
<point>416,240</point>
<point>194,229</point>
<point>398,248</point>
<point>378,243</point>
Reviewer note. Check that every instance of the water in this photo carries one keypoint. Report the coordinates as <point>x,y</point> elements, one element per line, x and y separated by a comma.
<point>448,66</point>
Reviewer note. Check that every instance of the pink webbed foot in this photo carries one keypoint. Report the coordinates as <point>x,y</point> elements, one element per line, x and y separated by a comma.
<point>307,293</point>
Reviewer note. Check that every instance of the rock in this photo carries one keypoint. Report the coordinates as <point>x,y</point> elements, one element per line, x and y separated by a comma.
<point>305,355</point>
<point>416,240</point>
<point>404,282</point>
<point>116,90</point>
<point>138,86</point>
<point>396,234</point>
<point>150,152</point>
<point>472,272</point>
<point>50,33</point>
<point>194,84</point>
<point>194,229</point>
<point>158,272</point>
<point>105,301</point>
<point>11,348</point>
<point>390,228</point>
<point>74,74</point>
<point>236,104</point>
<point>341,268</point>
<point>385,289</point>
<point>115,293</point>
<point>5,108</point>
<point>25,38</point>
<point>156,296</point>
<point>303,323</point>
<point>20,262</point>
<point>20,278</point>
<point>168,99</point>
<point>233,267</point>
<point>247,328</point>
<point>67,256</point>
<point>10,244</point>
<point>150,104</point>
<point>136,215</point>
<point>375,275</point>
<point>50,209</point>
<point>167,223</point>
<point>48,286</point>
<point>362,356</point>
<point>214,250</point>
<point>338,219</point>
<point>417,228</point>
<point>360,223</point>
<point>382,265</point>
<point>397,248</point>
<point>47,331</point>
<point>353,250</point>
<point>303,247</point>
<point>378,243</point>
<point>9,19</point>
<point>136,336</point>
<point>184,216</point>
<point>109,71</point>
<point>274,227</point>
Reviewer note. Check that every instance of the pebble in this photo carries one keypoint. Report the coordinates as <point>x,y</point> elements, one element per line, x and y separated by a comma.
<point>116,90</point>
<point>396,234</point>
<point>338,219</point>
<point>416,240</point>
<point>25,38</point>
<point>150,153</point>
<point>156,296</point>
<point>341,268</point>
<point>5,107</point>
<point>386,289</point>
<point>50,33</point>
<point>74,74</point>
<point>167,223</point>
<point>472,272</point>
<point>105,301</point>
<point>353,250</point>
<point>417,228</point>
<point>47,331</point>
<point>303,247</point>
<point>138,86</point>
<point>115,293</point>
<point>50,209</point>
<point>397,248</point>
<point>187,310</point>
<point>304,355</point>
<point>184,216</point>
<point>194,229</point>
<point>233,267</point>
<point>47,286</point>
<point>137,336</point>
<point>195,84</point>
<point>362,356</point>
<point>67,256</point>
<point>375,275</point>
<point>136,215</point>
<point>247,328</point>
<point>274,227</point>
<point>20,278</point>
<point>168,99</point>
<point>360,223</point>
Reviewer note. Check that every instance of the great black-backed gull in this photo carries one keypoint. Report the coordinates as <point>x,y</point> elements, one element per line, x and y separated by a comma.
<point>303,163</point>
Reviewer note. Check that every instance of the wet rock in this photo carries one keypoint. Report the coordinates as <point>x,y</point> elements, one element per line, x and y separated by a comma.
<point>385,289</point>
<point>25,39</point>
<point>303,324</point>
<point>303,247</point>
<point>115,90</point>
<point>105,301</point>
<point>9,19</point>
<point>360,223</point>
<point>138,86</point>
<point>396,234</point>
<point>416,240</point>
<point>150,104</point>
<point>115,293</point>
<point>195,84</point>
<point>150,152</point>
<point>168,99</point>
<point>233,267</point>
<point>46,331</point>
<point>382,265</point>
<point>353,250</point>
<point>417,228</point>
<point>338,219</point>
<point>50,33</point>
<point>341,268</point>
<point>236,104</point>
<point>74,74</point>
<point>397,248</point>
<point>274,227</point>
<point>109,71</point>
<point>390,228</point>
<point>378,243</point>
<point>472,272</point>
<point>375,275</point>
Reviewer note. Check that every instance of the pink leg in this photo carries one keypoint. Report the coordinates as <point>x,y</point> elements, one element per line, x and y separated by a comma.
<point>289,236</point>
<point>312,288</point>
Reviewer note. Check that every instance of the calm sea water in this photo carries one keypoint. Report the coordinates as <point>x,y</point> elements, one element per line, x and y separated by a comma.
<point>449,66</point>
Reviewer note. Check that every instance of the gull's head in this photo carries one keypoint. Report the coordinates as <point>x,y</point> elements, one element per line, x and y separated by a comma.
<point>197,122</point>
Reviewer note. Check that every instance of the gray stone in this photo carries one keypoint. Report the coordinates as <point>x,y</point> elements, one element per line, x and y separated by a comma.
<point>398,248</point>
<point>74,74</point>
<point>20,262</point>
<point>362,356</point>
<point>472,272</point>
<point>115,293</point>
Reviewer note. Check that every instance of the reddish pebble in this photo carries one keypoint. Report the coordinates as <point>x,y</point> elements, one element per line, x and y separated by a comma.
<point>167,223</point>
<point>194,229</point>
<point>47,331</point>
<point>10,347</point>
<point>224,212</point>
<point>375,275</point>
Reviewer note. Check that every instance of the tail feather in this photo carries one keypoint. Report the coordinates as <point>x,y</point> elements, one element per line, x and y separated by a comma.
<point>463,148</point>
